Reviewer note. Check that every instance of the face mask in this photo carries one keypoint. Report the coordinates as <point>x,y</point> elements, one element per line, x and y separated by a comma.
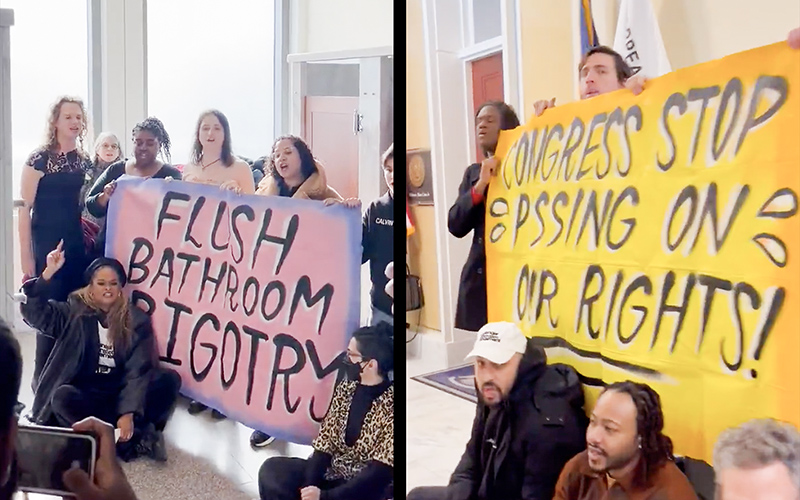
<point>352,370</point>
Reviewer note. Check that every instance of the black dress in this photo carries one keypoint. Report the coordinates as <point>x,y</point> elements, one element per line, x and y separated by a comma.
<point>56,216</point>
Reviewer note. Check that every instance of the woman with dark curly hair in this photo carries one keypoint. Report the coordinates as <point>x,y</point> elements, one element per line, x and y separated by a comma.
<point>150,140</point>
<point>51,184</point>
<point>294,172</point>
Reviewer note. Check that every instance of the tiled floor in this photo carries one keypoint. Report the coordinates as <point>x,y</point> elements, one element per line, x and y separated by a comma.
<point>438,427</point>
<point>222,444</point>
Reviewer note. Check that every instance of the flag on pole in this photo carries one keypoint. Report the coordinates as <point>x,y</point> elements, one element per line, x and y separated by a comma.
<point>588,32</point>
<point>638,39</point>
<point>409,224</point>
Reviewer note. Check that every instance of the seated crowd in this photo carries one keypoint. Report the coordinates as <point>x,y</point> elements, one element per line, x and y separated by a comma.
<point>530,439</point>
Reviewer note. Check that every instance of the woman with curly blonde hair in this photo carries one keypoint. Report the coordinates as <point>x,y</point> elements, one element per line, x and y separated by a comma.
<point>104,362</point>
<point>51,184</point>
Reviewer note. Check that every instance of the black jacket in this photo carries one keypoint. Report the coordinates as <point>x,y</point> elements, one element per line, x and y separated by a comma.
<point>74,327</point>
<point>535,431</point>
<point>465,217</point>
<point>377,236</point>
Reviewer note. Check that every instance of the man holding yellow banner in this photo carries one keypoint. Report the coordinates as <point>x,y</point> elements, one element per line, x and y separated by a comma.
<point>654,238</point>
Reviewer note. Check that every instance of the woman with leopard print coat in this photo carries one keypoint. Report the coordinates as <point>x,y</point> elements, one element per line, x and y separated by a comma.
<point>354,452</point>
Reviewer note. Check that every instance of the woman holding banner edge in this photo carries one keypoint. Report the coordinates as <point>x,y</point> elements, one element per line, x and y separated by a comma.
<point>212,162</point>
<point>292,171</point>
<point>150,139</point>
<point>104,361</point>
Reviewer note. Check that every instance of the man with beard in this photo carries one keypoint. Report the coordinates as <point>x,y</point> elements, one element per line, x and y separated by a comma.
<point>529,422</point>
<point>759,460</point>
<point>627,456</point>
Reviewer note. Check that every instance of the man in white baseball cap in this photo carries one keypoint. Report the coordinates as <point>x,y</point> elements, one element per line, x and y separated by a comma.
<point>497,353</point>
<point>529,422</point>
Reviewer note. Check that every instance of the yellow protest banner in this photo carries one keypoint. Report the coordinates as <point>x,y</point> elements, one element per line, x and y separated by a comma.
<point>655,238</point>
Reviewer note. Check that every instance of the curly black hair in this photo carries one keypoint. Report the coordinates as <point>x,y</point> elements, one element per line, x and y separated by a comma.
<point>508,117</point>
<point>307,164</point>
<point>155,127</point>
<point>656,447</point>
<point>377,342</point>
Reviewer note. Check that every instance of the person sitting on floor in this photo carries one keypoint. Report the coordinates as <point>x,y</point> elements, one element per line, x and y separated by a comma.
<point>104,363</point>
<point>354,452</point>
<point>529,422</point>
<point>627,455</point>
<point>758,460</point>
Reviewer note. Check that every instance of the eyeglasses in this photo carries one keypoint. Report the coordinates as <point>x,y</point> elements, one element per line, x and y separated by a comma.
<point>109,146</point>
<point>352,356</point>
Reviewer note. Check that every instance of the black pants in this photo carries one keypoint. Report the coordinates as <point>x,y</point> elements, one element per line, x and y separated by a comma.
<point>72,404</point>
<point>281,478</point>
<point>428,493</point>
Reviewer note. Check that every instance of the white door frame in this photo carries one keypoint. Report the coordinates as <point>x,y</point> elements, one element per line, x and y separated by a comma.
<point>372,81</point>
<point>451,125</point>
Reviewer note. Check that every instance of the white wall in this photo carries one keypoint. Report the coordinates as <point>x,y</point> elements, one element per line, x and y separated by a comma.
<point>334,25</point>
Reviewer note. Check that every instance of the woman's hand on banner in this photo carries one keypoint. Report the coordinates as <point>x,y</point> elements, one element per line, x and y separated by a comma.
<point>636,84</point>
<point>231,185</point>
<point>348,202</point>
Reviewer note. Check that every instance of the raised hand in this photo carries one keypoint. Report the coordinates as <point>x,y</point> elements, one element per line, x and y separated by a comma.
<point>55,261</point>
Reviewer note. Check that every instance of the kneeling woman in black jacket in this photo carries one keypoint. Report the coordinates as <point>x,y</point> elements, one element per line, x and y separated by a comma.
<point>104,363</point>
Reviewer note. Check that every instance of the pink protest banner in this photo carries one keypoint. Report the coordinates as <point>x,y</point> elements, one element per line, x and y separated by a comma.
<point>253,298</point>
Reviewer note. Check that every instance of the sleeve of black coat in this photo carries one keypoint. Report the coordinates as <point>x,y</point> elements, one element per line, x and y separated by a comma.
<point>366,239</point>
<point>138,371</point>
<point>464,216</point>
<point>92,205</point>
<point>47,316</point>
<point>466,478</point>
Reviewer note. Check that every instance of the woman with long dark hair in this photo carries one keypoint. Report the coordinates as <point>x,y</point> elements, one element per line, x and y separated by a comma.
<point>51,184</point>
<point>293,172</point>
<point>468,214</point>
<point>212,160</point>
<point>150,141</point>
<point>104,362</point>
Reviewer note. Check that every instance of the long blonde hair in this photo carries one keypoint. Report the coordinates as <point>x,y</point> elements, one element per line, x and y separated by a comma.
<point>119,317</point>
<point>51,139</point>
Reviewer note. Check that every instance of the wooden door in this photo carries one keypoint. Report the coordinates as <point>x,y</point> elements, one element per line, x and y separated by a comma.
<point>328,129</point>
<point>487,85</point>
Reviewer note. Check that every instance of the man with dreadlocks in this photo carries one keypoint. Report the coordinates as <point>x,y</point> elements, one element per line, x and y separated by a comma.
<point>627,456</point>
<point>149,139</point>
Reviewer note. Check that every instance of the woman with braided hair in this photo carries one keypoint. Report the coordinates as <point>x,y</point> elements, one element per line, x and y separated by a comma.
<point>150,141</point>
